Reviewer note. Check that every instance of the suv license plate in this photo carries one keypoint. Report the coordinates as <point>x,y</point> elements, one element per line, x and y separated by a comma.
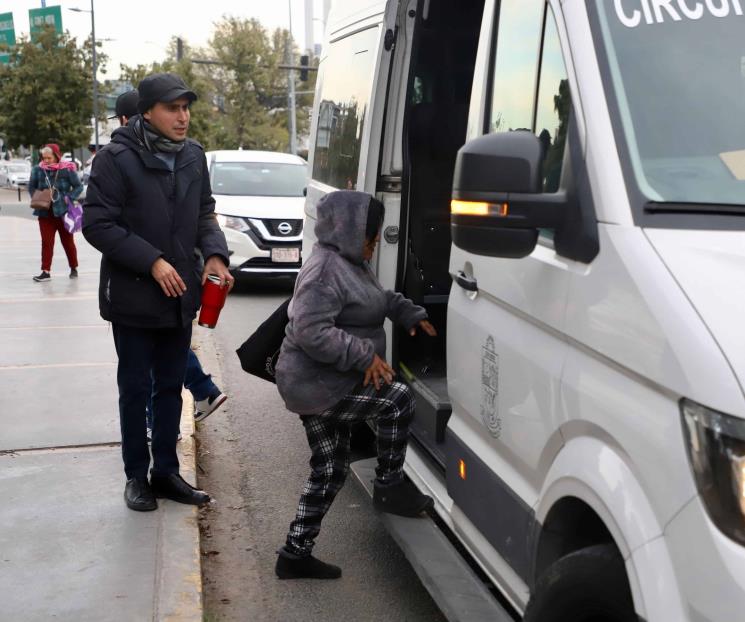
<point>285,255</point>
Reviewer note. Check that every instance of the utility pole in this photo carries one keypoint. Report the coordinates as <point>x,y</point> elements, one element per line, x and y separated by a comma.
<point>291,88</point>
<point>95,77</point>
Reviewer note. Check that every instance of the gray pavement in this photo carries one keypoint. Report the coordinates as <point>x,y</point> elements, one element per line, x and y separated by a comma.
<point>69,547</point>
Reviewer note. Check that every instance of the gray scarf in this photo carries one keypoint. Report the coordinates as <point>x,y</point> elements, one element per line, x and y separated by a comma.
<point>153,140</point>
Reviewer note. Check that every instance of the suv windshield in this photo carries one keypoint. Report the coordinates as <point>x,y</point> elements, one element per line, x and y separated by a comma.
<point>678,71</point>
<point>262,179</point>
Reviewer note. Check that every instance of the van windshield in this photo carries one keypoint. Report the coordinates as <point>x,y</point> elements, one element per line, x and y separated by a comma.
<point>265,179</point>
<point>678,73</point>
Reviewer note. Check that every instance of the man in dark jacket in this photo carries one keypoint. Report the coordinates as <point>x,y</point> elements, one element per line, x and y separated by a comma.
<point>149,205</point>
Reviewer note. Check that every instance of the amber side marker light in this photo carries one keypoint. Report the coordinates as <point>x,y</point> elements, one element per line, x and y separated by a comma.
<point>462,469</point>
<point>478,208</point>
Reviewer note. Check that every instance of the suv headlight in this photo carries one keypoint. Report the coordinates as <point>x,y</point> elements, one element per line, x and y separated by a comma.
<point>232,222</point>
<point>716,448</point>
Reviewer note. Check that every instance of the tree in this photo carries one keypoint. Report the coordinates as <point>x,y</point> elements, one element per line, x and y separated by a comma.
<point>248,81</point>
<point>203,111</point>
<point>46,92</point>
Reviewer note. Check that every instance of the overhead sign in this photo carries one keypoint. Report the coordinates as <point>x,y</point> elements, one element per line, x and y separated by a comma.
<point>39,19</point>
<point>7,35</point>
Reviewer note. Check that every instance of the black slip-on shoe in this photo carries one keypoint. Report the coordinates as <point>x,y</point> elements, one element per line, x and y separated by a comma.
<point>44,276</point>
<point>403,499</point>
<point>172,486</point>
<point>139,496</point>
<point>73,273</point>
<point>305,568</point>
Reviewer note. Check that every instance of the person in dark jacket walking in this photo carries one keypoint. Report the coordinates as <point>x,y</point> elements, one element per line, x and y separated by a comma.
<point>331,371</point>
<point>149,205</point>
<point>65,184</point>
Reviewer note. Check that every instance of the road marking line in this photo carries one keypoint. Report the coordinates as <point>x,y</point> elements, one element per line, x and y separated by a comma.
<point>54,366</point>
<point>53,327</point>
<point>9,301</point>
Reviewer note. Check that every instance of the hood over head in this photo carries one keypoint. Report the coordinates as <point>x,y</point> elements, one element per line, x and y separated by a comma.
<point>342,219</point>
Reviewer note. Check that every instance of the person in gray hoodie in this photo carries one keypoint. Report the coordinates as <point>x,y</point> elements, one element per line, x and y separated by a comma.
<point>332,372</point>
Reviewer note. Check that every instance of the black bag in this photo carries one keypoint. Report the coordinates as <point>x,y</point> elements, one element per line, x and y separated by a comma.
<point>259,353</point>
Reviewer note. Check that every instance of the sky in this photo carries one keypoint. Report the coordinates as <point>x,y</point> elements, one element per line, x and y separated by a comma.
<point>139,30</point>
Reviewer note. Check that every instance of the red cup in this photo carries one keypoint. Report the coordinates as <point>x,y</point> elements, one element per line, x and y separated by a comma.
<point>213,300</point>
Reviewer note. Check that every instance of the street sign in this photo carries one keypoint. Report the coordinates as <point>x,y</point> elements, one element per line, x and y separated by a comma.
<point>7,35</point>
<point>39,19</point>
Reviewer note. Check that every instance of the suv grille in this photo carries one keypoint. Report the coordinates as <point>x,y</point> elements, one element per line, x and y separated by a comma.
<point>283,227</point>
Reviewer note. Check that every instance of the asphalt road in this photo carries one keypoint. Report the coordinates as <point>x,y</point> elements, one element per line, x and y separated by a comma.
<point>254,461</point>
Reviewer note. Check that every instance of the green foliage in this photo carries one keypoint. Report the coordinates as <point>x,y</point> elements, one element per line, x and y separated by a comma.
<point>46,92</point>
<point>202,121</point>
<point>242,92</point>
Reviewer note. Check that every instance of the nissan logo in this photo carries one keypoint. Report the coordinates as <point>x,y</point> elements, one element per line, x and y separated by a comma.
<point>285,228</point>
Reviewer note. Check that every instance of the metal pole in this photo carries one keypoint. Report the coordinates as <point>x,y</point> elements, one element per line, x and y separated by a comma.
<point>95,76</point>
<point>291,89</point>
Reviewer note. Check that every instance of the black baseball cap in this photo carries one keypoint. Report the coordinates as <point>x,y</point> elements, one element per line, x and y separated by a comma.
<point>126,105</point>
<point>162,87</point>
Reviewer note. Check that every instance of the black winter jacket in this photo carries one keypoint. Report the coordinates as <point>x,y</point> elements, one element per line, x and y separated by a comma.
<point>137,210</point>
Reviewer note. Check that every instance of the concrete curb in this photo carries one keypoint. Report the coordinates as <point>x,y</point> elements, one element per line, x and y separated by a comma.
<point>178,572</point>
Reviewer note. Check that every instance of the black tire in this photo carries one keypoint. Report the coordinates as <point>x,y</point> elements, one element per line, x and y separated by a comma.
<point>589,585</point>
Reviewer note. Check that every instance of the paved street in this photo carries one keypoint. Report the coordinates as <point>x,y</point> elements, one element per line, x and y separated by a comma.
<point>254,459</point>
<point>69,547</point>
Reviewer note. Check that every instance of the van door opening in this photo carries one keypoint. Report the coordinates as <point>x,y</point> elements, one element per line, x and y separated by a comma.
<point>439,90</point>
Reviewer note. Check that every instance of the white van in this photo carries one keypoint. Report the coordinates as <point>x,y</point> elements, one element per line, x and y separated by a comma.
<point>564,184</point>
<point>259,197</point>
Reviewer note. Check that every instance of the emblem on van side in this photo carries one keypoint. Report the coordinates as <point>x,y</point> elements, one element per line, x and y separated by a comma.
<point>490,388</point>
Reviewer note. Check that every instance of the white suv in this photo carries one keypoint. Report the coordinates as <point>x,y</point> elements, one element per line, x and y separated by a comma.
<point>259,204</point>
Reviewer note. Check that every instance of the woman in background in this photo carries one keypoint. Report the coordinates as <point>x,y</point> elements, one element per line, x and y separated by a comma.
<point>63,180</point>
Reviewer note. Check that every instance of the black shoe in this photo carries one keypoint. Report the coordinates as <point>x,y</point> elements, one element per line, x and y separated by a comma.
<point>403,499</point>
<point>172,486</point>
<point>305,568</point>
<point>44,276</point>
<point>73,273</point>
<point>139,496</point>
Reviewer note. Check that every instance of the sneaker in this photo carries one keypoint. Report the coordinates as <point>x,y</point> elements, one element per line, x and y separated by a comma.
<point>44,276</point>
<point>204,408</point>
<point>402,498</point>
<point>73,273</point>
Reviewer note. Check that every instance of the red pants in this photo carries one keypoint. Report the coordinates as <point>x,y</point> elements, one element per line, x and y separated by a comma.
<point>48,226</point>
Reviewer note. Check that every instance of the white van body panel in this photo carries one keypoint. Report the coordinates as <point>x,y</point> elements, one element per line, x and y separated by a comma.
<point>628,310</point>
<point>709,267</point>
<point>710,567</point>
<point>352,14</point>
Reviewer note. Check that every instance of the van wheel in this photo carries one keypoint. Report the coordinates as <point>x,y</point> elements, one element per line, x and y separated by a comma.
<point>589,585</point>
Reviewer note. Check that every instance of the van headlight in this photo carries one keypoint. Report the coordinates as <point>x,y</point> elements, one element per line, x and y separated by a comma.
<point>232,222</point>
<point>716,448</point>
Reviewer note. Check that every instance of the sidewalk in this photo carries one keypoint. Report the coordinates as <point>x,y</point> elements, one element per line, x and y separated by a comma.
<point>69,547</point>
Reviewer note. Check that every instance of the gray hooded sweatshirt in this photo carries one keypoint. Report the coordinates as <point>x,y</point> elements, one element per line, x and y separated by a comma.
<point>337,311</point>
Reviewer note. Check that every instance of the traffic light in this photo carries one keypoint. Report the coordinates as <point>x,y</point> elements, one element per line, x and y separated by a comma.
<point>304,59</point>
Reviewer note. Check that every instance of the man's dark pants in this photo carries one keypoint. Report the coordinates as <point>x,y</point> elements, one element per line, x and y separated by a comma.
<point>162,351</point>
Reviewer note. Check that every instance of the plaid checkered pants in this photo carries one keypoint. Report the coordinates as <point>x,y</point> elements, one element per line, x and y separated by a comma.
<point>392,407</point>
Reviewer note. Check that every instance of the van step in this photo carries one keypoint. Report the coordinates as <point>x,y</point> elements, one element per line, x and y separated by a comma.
<point>456,589</point>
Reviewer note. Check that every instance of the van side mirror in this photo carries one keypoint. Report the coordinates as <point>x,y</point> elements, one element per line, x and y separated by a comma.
<point>498,205</point>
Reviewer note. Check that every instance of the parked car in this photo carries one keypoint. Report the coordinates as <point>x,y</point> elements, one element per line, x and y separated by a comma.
<point>14,173</point>
<point>68,157</point>
<point>259,199</point>
<point>564,186</point>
